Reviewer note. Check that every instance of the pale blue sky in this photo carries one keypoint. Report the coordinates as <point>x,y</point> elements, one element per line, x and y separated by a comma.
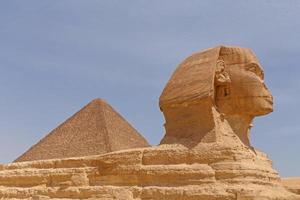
<point>57,55</point>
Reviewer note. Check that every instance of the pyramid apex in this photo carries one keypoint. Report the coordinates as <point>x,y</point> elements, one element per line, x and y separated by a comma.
<point>98,100</point>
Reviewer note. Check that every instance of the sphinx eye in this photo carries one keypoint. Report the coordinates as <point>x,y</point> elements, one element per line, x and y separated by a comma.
<point>256,70</point>
<point>252,68</point>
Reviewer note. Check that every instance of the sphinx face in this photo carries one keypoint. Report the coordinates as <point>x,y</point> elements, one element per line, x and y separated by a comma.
<point>246,93</point>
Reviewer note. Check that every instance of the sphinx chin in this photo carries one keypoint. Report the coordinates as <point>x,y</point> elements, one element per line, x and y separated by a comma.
<point>262,106</point>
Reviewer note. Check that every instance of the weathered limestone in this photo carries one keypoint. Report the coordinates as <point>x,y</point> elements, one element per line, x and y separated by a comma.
<point>172,171</point>
<point>209,104</point>
<point>95,129</point>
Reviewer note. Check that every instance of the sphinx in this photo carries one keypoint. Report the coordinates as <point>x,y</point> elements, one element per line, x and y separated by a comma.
<point>222,82</point>
<point>209,104</point>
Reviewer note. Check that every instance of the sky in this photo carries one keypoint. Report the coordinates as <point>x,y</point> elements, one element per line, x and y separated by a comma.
<point>58,55</point>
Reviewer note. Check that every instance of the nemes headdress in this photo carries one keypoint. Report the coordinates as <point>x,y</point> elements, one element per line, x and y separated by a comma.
<point>193,80</point>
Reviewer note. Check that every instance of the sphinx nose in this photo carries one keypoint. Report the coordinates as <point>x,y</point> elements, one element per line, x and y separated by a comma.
<point>267,92</point>
<point>266,88</point>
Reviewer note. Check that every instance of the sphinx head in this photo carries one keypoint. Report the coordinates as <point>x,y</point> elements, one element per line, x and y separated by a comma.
<point>229,80</point>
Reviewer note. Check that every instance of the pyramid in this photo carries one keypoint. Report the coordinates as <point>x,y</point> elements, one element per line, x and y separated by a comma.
<point>96,129</point>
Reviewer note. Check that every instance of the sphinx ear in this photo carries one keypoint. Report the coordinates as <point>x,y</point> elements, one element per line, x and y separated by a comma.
<point>222,80</point>
<point>221,76</point>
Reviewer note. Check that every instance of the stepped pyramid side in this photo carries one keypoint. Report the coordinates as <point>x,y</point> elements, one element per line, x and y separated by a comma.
<point>121,135</point>
<point>95,129</point>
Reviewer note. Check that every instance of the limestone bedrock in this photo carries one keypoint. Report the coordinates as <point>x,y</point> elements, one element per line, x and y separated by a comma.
<point>208,104</point>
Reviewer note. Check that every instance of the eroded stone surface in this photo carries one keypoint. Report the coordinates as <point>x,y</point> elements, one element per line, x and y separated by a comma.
<point>171,171</point>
